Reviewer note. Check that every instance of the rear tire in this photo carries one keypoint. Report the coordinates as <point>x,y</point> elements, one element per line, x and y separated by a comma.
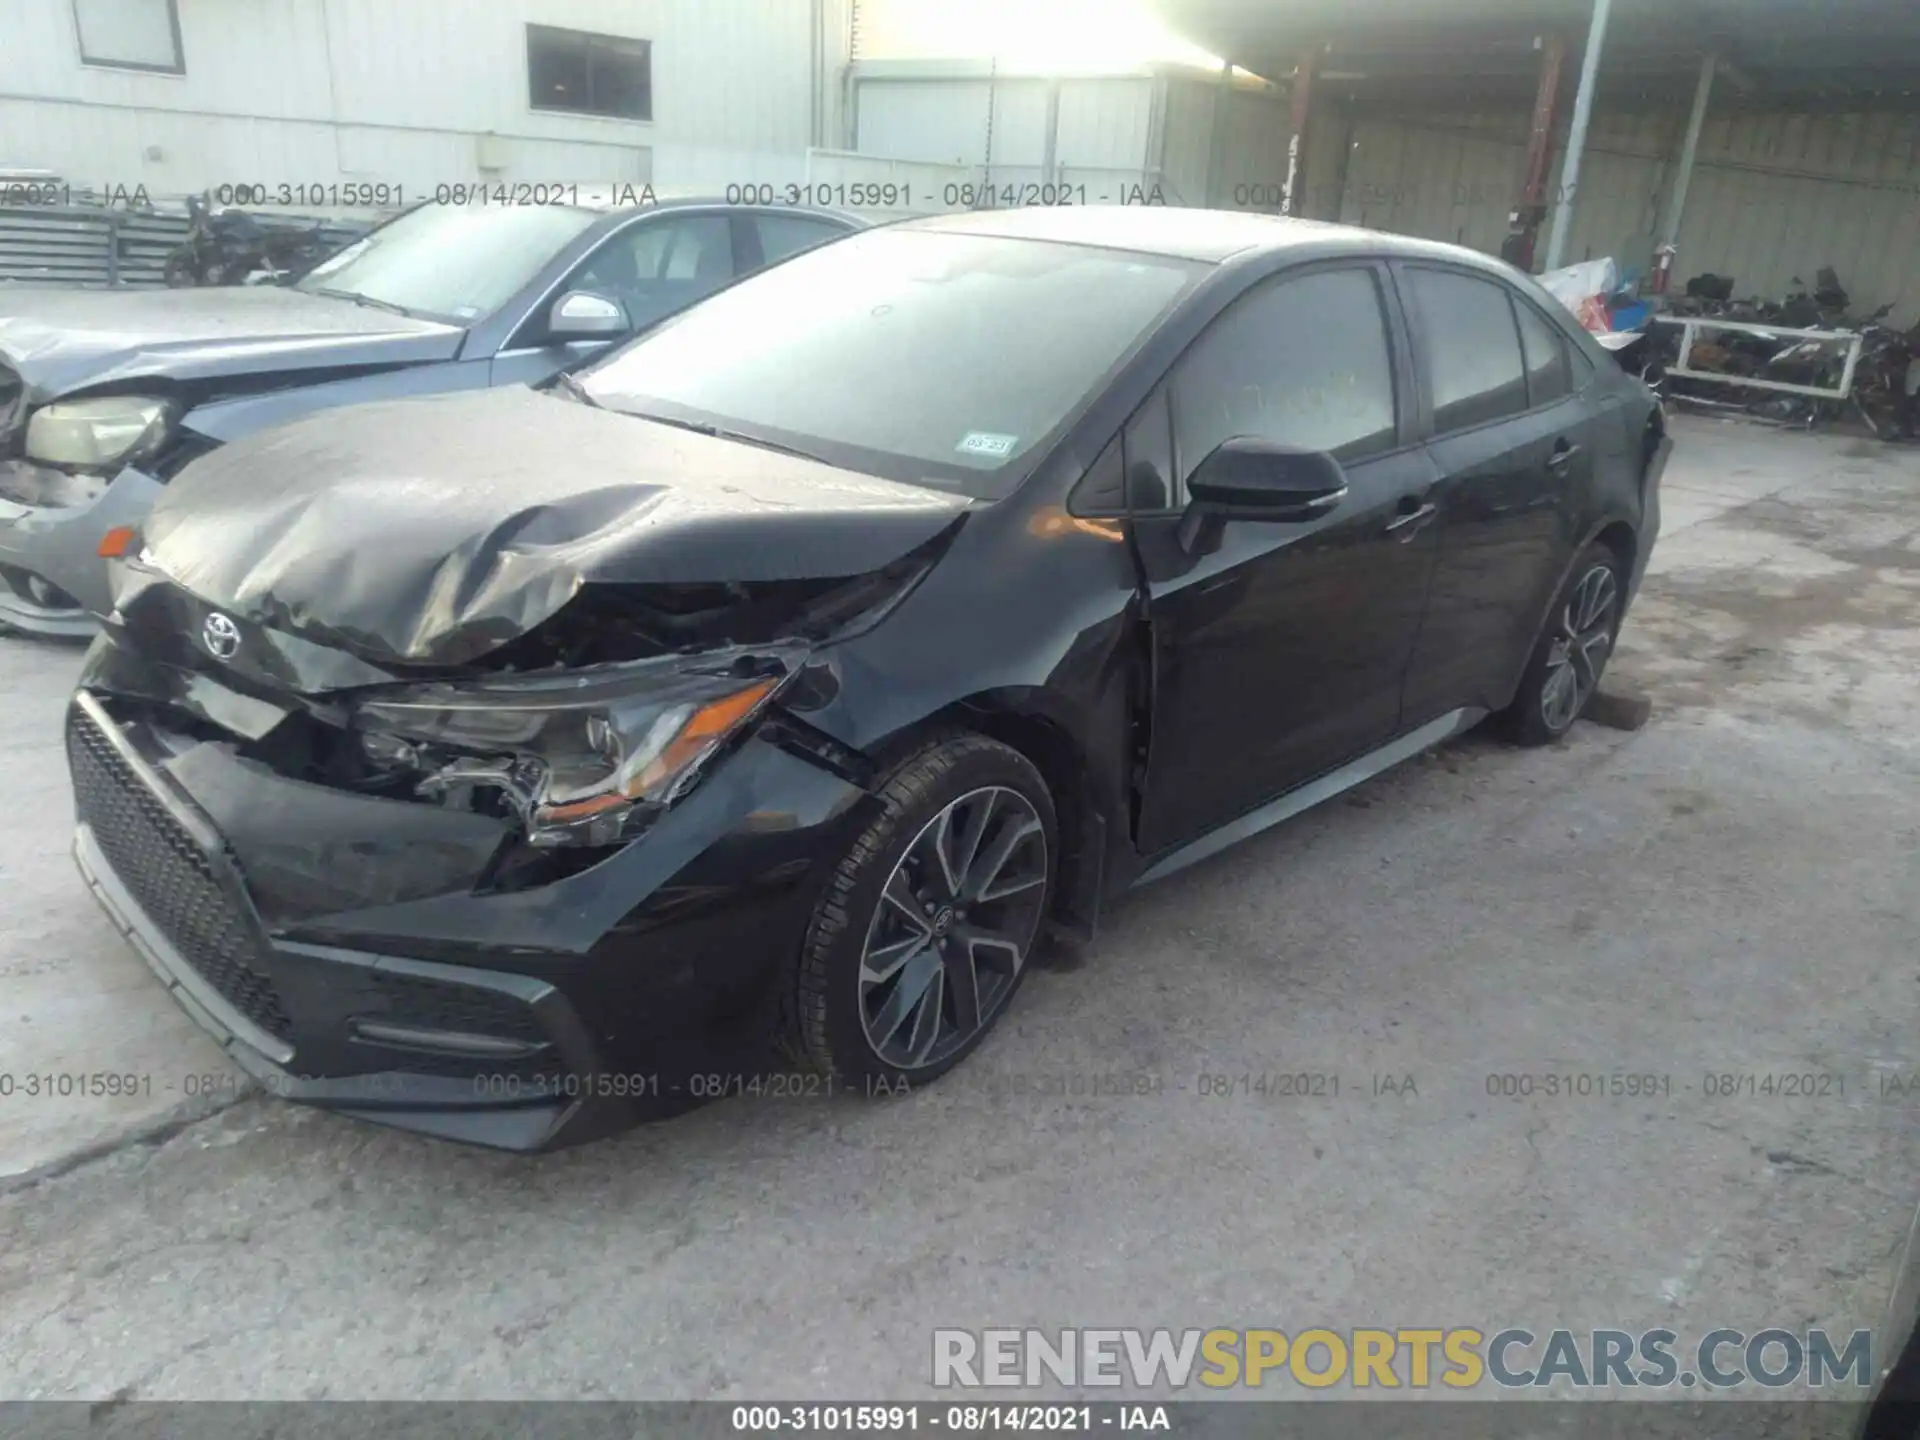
<point>929,922</point>
<point>1571,655</point>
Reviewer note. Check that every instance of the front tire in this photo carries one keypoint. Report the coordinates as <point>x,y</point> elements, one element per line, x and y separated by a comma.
<point>929,922</point>
<point>1563,674</point>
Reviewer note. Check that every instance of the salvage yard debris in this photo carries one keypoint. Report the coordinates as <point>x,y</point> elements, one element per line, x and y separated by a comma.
<point>1801,360</point>
<point>1812,361</point>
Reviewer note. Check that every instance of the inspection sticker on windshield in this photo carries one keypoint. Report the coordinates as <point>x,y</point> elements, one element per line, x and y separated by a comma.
<point>994,447</point>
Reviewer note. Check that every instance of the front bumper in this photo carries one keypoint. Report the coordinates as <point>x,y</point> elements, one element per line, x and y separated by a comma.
<point>445,1106</point>
<point>522,1019</point>
<point>59,545</point>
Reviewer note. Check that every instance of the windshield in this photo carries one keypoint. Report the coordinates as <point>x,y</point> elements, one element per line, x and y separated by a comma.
<point>915,354</point>
<point>450,262</point>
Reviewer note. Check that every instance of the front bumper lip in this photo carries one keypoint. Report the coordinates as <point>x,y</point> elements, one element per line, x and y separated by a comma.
<point>372,936</point>
<point>529,1118</point>
<point>469,1107</point>
<point>61,544</point>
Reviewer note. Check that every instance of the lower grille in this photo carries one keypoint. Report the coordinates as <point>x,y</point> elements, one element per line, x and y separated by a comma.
<point>465,1009</point>
<point>435,1005</point>
<point>171,877</point>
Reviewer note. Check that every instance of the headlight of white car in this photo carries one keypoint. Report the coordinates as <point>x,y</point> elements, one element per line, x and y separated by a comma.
<point>94,434</point>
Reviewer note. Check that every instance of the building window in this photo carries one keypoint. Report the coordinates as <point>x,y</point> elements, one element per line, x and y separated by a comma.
<point>130,34</point>
<point>589,74</point>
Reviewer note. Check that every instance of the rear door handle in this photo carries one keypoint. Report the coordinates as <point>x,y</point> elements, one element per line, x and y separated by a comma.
<point>1562,456</point>
<point>1412,522</point>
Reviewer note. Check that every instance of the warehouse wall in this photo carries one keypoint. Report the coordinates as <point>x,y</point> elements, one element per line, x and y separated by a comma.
<point>1773,195</point>
<point>1245,136</point>
<point>318,91</point>
<point>938,112</point>
<point>1115,131</point>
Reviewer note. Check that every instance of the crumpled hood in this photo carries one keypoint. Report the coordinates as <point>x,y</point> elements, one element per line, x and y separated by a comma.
<point>65,340</point>
<point>431,531</point>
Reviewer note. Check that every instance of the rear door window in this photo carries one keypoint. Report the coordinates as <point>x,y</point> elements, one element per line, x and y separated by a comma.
<point>1471,346</point>
<point>1549,376</point>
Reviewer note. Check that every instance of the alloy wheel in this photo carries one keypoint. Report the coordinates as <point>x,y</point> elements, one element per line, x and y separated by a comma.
<point>954,925</point>
<point>1579,651</point>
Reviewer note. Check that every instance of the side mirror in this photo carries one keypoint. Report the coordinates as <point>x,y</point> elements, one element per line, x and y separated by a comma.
<point>583,315</point>
<point>1246,478</point>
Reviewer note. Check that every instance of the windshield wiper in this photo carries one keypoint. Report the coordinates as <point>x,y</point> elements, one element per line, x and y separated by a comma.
<point>574,388</point>
<point>357,298</point>
<point>719,432</point>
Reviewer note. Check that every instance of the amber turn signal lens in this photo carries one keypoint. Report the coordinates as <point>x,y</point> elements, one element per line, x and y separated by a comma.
<point>702,731</point>
<point>119,541</point>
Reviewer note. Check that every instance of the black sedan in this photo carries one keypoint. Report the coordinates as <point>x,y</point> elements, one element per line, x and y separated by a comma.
<point>513,766</point>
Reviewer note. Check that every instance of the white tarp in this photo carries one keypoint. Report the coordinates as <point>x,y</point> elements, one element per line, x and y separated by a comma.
<point>1574,285</point>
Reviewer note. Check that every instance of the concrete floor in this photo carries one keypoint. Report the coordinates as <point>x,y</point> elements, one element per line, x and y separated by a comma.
<point>1731,889</point>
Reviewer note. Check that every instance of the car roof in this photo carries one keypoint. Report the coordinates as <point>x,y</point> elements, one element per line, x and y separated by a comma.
<point>1181,232</point>
<point>638,198</point>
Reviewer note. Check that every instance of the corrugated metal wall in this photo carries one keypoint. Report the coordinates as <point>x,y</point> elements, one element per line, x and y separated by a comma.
<point>938,121</point>
<point>1115,132</point>
<point>1773,196</point>
<point>1106,124</point>
<point>1187,151</point>
<point>996,128</point>
<point>320,91</point>
<point>1781,195</point>
<point>1225,147</point>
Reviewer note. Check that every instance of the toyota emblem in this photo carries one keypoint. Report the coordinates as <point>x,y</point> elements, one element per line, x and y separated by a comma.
<point>220,635</point>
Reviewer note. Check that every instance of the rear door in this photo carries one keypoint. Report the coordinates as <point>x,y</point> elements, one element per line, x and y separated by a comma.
<point>1279,648</point>
<point>1513,443</point>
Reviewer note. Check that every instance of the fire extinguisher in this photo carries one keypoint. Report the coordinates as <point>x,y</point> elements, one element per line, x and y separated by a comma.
<point>1662,268</point>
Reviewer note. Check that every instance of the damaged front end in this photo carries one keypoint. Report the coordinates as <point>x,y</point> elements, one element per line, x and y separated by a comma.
<point>410,754</point>
<point>452,897</point>
<point>575,738</point>
<point>587,728</point>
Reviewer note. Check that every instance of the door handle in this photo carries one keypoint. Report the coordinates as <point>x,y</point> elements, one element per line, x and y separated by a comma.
<point>1412,522</point>
<point>1562,456</point>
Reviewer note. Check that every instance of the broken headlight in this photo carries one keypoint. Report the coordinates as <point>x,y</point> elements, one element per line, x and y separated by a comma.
<point>96,434</point>
<point>584,757</point>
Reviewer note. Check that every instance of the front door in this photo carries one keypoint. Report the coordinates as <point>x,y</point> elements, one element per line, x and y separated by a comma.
<point>1279,647</point>
<point>652,267</point>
